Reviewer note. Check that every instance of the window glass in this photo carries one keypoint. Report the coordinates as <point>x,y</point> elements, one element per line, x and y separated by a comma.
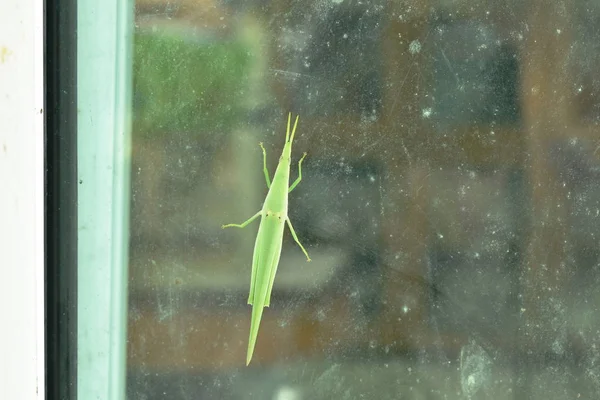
<point>449,201</point>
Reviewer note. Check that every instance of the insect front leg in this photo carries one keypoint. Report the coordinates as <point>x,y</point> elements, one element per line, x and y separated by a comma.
<point>296,239</point>
<point>297,181</point>
<point>243,224</point>
<point>265,170</point>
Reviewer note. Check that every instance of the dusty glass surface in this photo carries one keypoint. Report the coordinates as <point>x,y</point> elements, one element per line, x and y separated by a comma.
<point>450,199</point>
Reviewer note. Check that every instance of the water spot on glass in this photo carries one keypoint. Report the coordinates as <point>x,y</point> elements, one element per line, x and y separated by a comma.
<point>414,47</point>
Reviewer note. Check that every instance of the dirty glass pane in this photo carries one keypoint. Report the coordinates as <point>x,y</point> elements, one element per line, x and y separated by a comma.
<point>450,199</point>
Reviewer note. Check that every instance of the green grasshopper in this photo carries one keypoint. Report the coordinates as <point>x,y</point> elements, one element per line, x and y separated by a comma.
<point>267,249</point>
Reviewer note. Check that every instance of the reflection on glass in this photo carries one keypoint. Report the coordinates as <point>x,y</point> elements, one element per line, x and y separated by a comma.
<point>450,199</point>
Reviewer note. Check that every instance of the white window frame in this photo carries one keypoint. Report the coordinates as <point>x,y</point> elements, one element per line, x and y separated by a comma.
<point>22,199</point>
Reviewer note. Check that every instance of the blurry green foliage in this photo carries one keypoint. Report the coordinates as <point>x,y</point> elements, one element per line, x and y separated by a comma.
<point>181,85</point>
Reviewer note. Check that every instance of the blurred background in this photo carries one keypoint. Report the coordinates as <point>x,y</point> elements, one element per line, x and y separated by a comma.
<point>450,199</point>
